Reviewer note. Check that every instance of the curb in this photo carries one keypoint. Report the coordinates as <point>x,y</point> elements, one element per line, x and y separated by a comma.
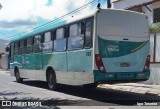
<point>5,72</point>
<point>140,90</point>
<point>134,89</point>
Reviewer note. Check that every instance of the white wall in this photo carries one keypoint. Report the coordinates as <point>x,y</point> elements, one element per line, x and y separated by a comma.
<point>150,14</point>
<point>155,75</point>
<point>4,62</point>
<point>4,58</point>
<point>155,5</point>
<point>3,44</point>
<point>124,4</point>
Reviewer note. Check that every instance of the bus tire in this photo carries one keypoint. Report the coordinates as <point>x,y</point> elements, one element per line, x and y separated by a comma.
<point>17,75</point>
<point>90,86</point>
<point>51,80</point>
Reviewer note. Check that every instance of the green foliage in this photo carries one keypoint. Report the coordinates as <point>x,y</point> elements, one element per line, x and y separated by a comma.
<point>155,27</point>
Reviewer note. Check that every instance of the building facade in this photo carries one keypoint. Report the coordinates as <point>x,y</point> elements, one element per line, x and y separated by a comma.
<point>3,54</point>
<point>152,9</point>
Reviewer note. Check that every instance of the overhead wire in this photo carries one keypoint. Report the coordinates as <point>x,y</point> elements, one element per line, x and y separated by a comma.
<point>57,19</point>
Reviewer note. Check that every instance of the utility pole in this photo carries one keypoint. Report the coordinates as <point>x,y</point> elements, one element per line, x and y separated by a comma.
<point>0,6</point>
<point>109,5</point>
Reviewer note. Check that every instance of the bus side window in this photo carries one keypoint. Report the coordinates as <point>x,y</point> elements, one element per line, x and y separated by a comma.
<point>29,46</point>
<point>76,36</point>
<point>16,48</point>
<point>81,29</point>
<point>88,33</point>
<point>37,47</point>
<point>22,48</point>
<point>48,43</point>
<point>60,41</point>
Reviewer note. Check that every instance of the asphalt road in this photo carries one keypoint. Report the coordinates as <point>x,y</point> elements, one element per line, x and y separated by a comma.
<point>69,95</point>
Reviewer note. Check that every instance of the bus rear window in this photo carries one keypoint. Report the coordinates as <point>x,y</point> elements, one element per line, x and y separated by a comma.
<point>122,23</point>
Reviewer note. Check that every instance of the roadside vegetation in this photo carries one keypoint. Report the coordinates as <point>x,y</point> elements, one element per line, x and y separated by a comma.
<point>155,28</point>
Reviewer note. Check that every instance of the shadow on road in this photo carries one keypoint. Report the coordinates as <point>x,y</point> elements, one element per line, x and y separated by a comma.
<point>4,93</point>
<point>99,94</point>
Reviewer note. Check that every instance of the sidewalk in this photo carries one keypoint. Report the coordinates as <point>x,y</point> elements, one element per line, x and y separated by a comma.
<point>135,87</point>
<point>6,72</point>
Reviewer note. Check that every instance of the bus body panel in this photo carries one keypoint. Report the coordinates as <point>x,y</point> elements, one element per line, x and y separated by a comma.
<point>36,60</point>
<point>28,61</point>
<point>79,59</point>
<point>46,58</point>
<point>59,61</point>
<point>115,53</point>
<point>70,66</point>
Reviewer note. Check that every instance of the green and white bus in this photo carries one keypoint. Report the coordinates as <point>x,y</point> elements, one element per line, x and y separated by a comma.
<point>109,46</point>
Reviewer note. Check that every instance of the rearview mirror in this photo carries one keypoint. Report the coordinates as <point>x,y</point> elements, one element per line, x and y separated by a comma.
<point>7,49</point>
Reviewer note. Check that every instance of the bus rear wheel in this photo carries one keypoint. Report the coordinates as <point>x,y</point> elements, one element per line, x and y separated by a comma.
<point>51,80</point>
<point>18,78</point>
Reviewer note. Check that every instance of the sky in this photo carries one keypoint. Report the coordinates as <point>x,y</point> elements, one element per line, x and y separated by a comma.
<point>18,16</point>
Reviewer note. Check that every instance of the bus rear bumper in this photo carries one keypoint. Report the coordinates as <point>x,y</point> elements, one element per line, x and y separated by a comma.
<point>120,77</point>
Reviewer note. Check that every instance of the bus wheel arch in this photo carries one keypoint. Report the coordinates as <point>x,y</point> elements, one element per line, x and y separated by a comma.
<point>51,78</point>
<point>17,75</point>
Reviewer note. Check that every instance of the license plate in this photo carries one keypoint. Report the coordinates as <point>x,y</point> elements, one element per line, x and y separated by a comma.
<point>125,75</point>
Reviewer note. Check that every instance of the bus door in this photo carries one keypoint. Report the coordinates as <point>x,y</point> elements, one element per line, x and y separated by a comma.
<point>18,56</point>
<point>22,54</point>
<point>28,58</point>
<point>37,53</point>
<point>11,56</point>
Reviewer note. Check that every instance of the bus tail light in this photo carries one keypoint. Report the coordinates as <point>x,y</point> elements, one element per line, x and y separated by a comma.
<point>99,63</point>
<point>147,64</point>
